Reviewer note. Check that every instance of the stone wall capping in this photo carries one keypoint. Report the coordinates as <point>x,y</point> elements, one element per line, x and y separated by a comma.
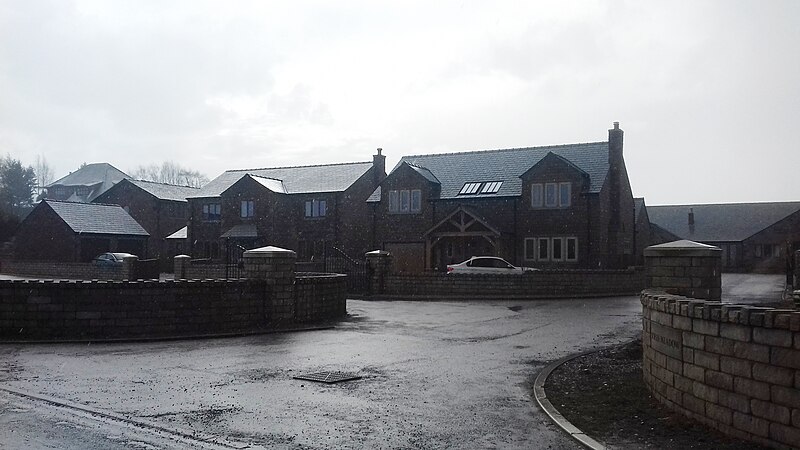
<point>736,369</point>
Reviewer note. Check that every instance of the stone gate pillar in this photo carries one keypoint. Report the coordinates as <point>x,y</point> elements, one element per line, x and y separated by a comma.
<point>685,268</point>
<point>276,266</point>
<point>380,262</point>
<point>180,263</point>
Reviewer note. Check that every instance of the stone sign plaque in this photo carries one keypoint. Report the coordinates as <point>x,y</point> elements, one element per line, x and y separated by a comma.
<point>666,340</point>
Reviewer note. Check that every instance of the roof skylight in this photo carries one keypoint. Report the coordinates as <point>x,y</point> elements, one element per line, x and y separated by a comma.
<point>491,187</point>
<point>469,188</point>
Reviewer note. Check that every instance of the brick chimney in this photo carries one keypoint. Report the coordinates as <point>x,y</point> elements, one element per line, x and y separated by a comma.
<point>379,167</point>
<point>615,165</point>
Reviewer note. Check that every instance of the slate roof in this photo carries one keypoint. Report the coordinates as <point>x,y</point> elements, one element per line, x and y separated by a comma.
<point>103,174</point>
<point>296,180</point>
<point>242,230</point>
<point>725,222</point>
<point>180,234</point>
<point>638,204</point>
<point>96,218</point>
<point>165,191</point>
<point>452,170</point>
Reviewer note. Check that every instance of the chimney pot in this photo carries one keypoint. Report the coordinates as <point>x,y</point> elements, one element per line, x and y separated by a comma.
<point>616,125</point>
<point>379,150</point>
<point>691,216</point>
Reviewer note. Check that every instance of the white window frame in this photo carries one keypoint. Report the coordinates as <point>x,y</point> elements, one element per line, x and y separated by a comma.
<point>568,202</point>
<point>537,195</point>
<point>554,202</point>
<point>247,209</point>
<point>539,242</point>
<point>394,201</point>
<point>405,201</point>
<point>491,187</point>
<point>566,249</point>
<point>416,200</point>
<point>316,208</point>
<point>528,256</point>
<point>559,243</point>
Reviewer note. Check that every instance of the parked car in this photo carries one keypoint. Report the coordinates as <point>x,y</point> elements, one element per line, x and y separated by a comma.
<point>110,259</point>
<point>487,264</point>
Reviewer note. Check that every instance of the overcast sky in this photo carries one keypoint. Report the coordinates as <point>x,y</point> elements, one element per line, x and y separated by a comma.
<point>708,93</point>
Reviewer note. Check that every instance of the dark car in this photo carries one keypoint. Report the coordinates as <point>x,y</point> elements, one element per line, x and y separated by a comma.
<point>111,259</point>
<point>486,264</point>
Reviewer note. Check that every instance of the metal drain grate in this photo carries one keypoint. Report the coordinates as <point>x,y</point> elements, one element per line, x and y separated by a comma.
<point>328,377</point>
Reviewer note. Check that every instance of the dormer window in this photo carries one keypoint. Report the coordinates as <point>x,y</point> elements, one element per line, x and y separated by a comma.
<point>488,187</point>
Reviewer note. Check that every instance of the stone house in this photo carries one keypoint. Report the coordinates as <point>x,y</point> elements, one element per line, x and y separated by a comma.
<point>304,208</point>
<point>77,232</point>
<point>162,209</point>
<point>85,184</point>
<point>555,206</point>
<point>754,237</point>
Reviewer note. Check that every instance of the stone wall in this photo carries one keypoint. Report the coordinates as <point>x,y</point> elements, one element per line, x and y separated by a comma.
<point>64,270</point>
<point>732,367</point>
<point>532,285</point>
<point>272,297</point>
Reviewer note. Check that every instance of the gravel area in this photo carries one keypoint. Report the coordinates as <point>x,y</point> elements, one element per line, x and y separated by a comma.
<point>603,394</point>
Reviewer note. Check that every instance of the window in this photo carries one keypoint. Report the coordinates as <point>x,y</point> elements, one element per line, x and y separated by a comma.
<point>394,201</point>
<point>564,194</point>
<point>211,211</point>
<point>316,208</point>
<point>530,249</point>
<point>469,188</point>
<point>543,252</point>
<point>405,201</point>
<point>82,191</point>
<point>551,249</point>
<point>551,195</point>
<point>248,208</point>
<point>491,187</point>
<point>572,249</point>
<point>558,253</point>
<point>550,198</point>
<point>537,197</point>
<point>759,251</point>
<point>416,201</point>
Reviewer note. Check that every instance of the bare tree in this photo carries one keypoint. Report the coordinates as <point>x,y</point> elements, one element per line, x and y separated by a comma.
<point>171,173</point>
<point>44,173</point>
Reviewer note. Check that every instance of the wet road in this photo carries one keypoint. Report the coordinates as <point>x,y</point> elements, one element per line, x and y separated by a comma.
<point>435,375</point>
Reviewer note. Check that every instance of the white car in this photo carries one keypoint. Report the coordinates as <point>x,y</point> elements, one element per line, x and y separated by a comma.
<point>487,264</point>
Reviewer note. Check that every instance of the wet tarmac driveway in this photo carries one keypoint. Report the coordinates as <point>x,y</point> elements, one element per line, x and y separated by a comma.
<point>434,375</point>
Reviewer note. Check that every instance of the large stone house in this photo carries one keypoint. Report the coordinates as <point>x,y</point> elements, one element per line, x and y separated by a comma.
<point>162,209</point>
<point>85,184</point>
<point>754,237</point>
<point>77,232</point>
<point>555,206</point>
<point>304,208</point>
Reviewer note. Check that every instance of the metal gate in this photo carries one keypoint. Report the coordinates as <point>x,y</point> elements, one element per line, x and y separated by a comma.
<point>357,270</point>
<point>234,264</point>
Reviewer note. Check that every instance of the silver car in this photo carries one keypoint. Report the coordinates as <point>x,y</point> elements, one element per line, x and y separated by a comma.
<point>110,259</point>
<point>487,264</point>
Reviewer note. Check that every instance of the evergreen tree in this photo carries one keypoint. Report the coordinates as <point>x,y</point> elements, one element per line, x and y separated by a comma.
<point>17,187</point>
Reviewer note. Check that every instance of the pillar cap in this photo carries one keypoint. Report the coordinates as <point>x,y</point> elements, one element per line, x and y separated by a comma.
<point>378,253</point>
<point>269,251</point>
<point>183,256</point>
<point>682,247</point>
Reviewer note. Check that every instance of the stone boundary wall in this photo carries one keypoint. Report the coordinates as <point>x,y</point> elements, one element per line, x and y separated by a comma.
<point>201,271</point>
<point>732,367</point>
<point>100,310</point>
<point>531,285</point>
<point>63,270</point>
